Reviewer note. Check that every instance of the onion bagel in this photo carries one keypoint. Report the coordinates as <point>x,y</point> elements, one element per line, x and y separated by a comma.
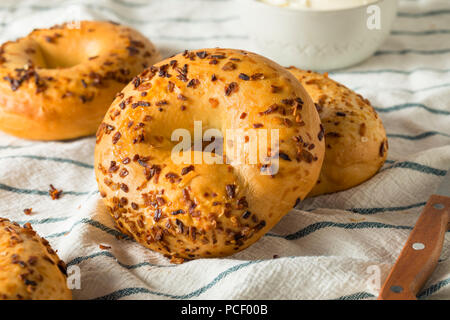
<point>29,268</point>
<point>188,211</point>
<point>57,83</point>
<point>355,139</point>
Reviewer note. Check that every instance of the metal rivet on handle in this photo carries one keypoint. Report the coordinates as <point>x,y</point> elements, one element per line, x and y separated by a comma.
<point>438,206</point>
<point>418,246</point>
<point>396,289</point>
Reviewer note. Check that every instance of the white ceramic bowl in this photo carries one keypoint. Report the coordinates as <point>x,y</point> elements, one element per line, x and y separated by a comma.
<point>313,39</point>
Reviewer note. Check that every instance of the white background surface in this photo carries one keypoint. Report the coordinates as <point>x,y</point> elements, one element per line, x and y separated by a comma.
<point>326,246</point>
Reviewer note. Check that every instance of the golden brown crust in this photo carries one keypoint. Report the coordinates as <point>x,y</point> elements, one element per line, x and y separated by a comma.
<point>29,268</point>
<point>57,83</point>
<point>205,210</point>
<point>356,143</point>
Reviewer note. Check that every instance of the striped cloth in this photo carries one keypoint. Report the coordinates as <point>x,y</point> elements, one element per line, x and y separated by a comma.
<point>332,247</point>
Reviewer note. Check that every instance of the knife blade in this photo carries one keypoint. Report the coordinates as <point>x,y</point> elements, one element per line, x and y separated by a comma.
<point>420,255</point>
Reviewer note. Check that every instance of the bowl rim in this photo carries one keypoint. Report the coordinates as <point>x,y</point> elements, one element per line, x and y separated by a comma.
<point>312,11</point>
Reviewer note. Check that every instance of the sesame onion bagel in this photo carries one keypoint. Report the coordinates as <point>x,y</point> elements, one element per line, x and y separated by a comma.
<point>355,139</point>
<point>29,268</point>
<point>57,83</point>
<point>198,208</point>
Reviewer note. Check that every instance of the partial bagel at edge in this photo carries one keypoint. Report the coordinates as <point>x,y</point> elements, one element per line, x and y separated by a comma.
<point>29,268</point>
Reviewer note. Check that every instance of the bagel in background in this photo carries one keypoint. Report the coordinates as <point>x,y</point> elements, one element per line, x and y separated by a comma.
<point>188,211</point>
<point>57,83</point>
<point>355,139</point>
<point>29,268</point>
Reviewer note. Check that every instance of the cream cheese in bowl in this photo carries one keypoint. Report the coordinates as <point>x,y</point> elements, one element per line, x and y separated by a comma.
<point>318,4</point>
<point>317,34</point>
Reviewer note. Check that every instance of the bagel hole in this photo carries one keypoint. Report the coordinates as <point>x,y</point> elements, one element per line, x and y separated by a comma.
<point>204,144</point>
<point>61,56</point>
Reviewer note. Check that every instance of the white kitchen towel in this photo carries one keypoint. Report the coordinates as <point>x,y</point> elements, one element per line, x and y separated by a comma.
<point>337,246</point>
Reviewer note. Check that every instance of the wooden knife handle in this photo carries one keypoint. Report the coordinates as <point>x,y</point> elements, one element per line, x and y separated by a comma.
<point>420,255</point>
